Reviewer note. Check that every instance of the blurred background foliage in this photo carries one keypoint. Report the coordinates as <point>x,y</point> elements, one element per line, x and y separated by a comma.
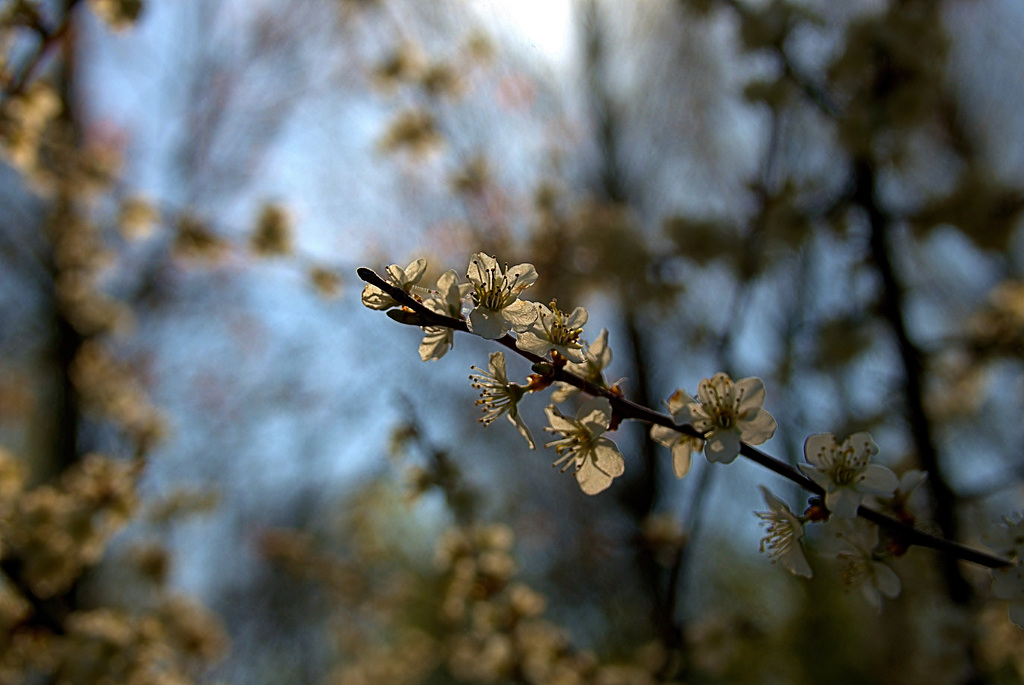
<point>216,466</point>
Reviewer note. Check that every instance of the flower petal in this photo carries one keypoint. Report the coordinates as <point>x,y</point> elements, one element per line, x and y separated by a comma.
<point>722,446</point>
<point>678,401</point>
<point>758,430</point>
<point>886,580</point>
<point>516,420</point>
<point>843,502</point>
<point>486,324</point>
<point>818,449</point>
<point>520,315</point>
<point>414,272</point>
<point>682,458</point>
<point>480,265</point>
<point>751,392</point>
<point>558,421</point>
<point>877,480</point>
<point>595,414</point>
<point>520,277</point>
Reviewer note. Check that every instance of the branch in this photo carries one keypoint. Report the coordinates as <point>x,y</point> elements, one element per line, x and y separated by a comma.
<point>414,313</point>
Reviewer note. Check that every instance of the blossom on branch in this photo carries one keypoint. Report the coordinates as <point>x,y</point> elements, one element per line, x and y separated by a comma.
<point>375,298</point>
<point>437,340</point>
<point>844,472</point>
<point>498,396</point>
<point>596,459</point>
<point>860,567</point>
<point>554,330</point>
<point>596,357</point>
<point>496,304</point>
<point>728,413</point>
<point>682,445</point>
<point>784,532</point>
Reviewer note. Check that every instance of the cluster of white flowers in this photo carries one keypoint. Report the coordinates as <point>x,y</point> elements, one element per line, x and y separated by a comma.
<point>724,416</point>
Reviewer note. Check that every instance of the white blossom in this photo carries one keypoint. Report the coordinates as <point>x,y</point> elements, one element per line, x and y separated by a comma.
<point>554,330</point>
<point>375,298</point>
<point>437,340</point>
<point>785,529</point>
<point>728,413</point>
<point>498,396</point>
<point>682,445</point>
<point>844,472</point>
<point>596,358</point>
<point>860,567</point>
<point>497,307</point>
<point>595,458</point>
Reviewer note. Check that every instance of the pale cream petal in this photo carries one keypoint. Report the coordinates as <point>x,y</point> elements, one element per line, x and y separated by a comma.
<point>877,480</point>
<point>682,458</point>
<point>558,421</point>
<point>722,446</point>
<point>595,414</point>
<point>843,502</point>
<point>599,350</point>
<point>751,392</point>
<point>758,430</point>
<point>519,315</point>
<point>886,580</point>
<point>516,420</point>
<point>678,401</point>
<point>486,324</point>
<point>818,449</point>
<point>577,319</point>
<point>436,343</point>
<point>479,266</point>
<point>521,277</point>
<point>414,272</point>
<point>664,435</point>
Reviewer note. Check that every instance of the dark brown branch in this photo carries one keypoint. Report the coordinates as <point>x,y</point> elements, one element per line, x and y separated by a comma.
<point>418,315</point>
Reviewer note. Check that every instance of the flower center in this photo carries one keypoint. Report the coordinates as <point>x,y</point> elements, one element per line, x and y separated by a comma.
<point>496,292</point>
<point>557,329</point>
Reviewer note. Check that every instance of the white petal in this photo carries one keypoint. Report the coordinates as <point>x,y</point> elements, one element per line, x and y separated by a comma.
<point>816,474</point>
<point>722,446</point>
<point>608,458</point>
<point>486,324</point>
<point>496,365</point>
<point>760,429</point>
<point>436,343</point>
<point>664,435</point>
<point>752,390</point>
<point>886,580</point>
<point>516,420</point>
<point>595,414</point>
<point>843,502</point>
<point>877,480</point>
<point>519,315</point>
<point>521,277</point>
<point>682,458</point>
<point>558,422</point>
<point>577,319</point>
<point>678,401</point>
<point>375,298</point>
<point>414,272</point>
<point>599,350</point>
<point>591,479</point>
<point>530,342</point>
<point>479,266</point>
<point>818,448</point>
